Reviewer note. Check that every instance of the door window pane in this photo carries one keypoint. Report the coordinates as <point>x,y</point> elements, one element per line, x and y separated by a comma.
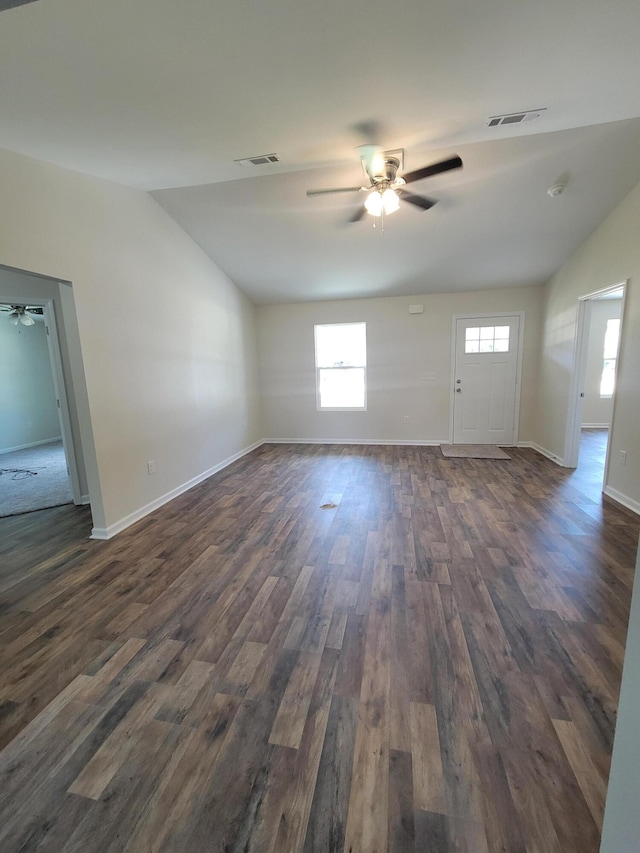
<point>487,339</point>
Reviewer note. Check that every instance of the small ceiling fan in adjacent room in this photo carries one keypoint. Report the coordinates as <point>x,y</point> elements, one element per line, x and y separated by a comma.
<point>24,315</point>
<point>386,187</point>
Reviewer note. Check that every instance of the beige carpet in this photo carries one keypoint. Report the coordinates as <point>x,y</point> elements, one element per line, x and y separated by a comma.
<point>34,478</point>
<point>473,451</point>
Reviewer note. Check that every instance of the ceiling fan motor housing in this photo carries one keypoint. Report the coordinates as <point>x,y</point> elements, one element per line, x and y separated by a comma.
<point>389,170</point>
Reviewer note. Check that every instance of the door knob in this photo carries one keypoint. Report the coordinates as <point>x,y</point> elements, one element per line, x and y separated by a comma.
<point>458,390</point>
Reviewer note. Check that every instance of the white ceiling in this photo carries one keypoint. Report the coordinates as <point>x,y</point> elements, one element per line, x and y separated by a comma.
<point>164,96</point>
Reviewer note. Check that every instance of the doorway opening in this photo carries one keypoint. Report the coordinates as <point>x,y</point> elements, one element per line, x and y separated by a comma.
<point>52,300</point>
<point>592,397</point>
<point>34,471</point>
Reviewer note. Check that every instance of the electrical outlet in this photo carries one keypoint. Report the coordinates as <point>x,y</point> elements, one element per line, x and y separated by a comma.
<point>406,419</point>
<point>623,457</point>
<point>151,466</point>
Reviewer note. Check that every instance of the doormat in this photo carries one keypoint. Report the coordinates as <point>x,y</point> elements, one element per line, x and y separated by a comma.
<point>473,451</point>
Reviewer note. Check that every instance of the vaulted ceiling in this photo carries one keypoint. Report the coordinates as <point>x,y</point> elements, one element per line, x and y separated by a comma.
<point>165,96</point>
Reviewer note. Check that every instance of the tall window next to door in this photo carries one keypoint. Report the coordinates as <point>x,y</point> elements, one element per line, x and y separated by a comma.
<point>341,366</point>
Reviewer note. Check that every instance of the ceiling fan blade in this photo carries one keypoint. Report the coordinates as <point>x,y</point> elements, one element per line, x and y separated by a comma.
<point>434,169</point>
<point>337,190</point>
<point>357,216</point>
<point>418,200</point>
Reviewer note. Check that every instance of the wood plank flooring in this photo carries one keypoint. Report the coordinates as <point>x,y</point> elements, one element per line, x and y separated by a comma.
<point>431,665</point>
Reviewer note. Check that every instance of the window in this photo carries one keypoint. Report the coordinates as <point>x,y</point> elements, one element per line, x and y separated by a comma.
<point>341,365</point>
<point>609,356</point>
<point>487,339</point>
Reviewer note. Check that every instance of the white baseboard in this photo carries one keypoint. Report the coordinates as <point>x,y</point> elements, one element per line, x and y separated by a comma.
<point>110,531</point>
<point>619,498</point>
<point>31,444</point>
<point>113,529</point>
<point>410,442</point>
<point>84,500</point>
<point>595,426</point>
<point>543,451</point>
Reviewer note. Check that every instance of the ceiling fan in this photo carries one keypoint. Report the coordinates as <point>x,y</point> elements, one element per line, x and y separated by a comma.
<point>22,314</point>
<point>386,188</point>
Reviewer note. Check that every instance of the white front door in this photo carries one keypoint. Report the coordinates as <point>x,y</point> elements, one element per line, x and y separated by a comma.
<point>485,380</point>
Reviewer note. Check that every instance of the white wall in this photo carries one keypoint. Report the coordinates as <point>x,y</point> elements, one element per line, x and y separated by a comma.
<point>610,255</point>
<point>401,348</point>
<point>167,340</point>
<point>621,828</point>
<point>28,409</point>
<point>597,410</point>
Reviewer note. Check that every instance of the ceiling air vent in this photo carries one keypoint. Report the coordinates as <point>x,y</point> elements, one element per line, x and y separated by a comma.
<point>515,118</point>
<point>261,160</point>
<point>11,4</point>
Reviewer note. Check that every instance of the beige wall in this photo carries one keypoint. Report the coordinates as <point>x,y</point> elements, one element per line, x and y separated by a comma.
<point>597,410</point>
<point>610,255</point>
<point>28,410</point>
<point>401,349</point>
<point>167,340</point>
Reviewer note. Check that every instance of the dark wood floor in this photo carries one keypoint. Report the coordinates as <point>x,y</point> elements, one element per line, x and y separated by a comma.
<point>432,665</point>
<point>589,475</point>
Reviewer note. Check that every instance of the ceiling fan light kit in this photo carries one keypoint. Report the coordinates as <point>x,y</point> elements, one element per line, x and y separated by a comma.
<point>386,188</point>
<point>24,319</point>
<point>382,200</point>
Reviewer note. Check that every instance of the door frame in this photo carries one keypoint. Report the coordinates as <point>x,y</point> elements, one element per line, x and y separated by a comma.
<point>576,386</point>
<point>61,394</point>
<point>484,316</point>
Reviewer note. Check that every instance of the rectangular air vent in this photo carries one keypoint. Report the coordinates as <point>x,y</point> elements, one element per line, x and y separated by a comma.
<point>515,118</point>
<point>260,160</point>
<point>11,4</point>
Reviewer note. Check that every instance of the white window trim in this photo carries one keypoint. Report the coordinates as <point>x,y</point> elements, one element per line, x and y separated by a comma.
<point>363,367</point>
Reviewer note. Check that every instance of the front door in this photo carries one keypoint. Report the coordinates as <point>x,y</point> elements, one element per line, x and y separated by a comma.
<point>485,380</point>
